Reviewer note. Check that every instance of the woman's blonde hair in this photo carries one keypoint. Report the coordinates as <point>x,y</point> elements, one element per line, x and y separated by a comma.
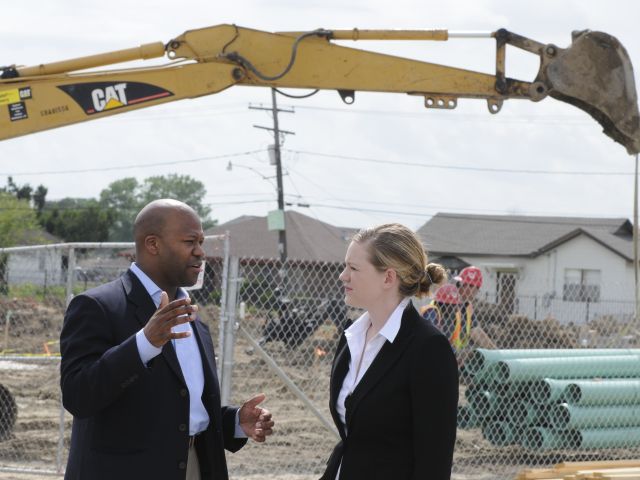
<point>394,246</point>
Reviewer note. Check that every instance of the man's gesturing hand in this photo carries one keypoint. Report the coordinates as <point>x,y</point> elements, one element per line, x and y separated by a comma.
<point>255,421</point>
<point>169,314</point>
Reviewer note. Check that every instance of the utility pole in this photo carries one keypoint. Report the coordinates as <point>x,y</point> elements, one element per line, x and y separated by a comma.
<point>282,234</point>
<point>635,243</point>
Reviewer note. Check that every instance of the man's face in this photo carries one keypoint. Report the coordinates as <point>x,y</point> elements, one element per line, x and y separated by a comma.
<point>180,254</point>
<point>467,292</point>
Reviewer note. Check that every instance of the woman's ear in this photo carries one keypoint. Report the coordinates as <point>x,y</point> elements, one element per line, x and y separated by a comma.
<point>390,278</point>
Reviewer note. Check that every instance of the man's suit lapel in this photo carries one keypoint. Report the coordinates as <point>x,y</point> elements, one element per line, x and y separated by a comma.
<point>145,308</point>
<point>383,362</point>
<point>205,345</point>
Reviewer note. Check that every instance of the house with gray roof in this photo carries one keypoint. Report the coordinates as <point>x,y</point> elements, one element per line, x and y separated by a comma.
<point>308,239</point>
<point>574,269</point>
<point>315,255</point>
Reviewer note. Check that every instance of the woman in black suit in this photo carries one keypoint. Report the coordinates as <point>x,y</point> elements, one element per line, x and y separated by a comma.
<point>394,380</point>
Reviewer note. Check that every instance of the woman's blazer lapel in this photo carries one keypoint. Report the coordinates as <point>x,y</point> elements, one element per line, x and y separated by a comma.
<point>384,361</point>
<point>339,370</point>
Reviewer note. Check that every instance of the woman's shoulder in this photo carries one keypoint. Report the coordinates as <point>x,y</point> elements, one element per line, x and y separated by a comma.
<point>422,328</point>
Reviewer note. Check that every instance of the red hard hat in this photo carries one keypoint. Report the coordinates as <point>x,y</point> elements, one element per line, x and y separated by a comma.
<point>471,276</point>
<point>448,293</point>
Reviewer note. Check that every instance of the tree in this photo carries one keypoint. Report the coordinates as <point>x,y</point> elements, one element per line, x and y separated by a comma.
<point>181,187</point>
<point>77,219</point>
<point>18,224</point>
<point>18,220</point>
<point>122,199</point>
<point>26,192</point>
<point>126,197</point>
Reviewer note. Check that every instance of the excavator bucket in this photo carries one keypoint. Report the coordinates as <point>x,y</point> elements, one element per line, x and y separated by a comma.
<point>595,75</point>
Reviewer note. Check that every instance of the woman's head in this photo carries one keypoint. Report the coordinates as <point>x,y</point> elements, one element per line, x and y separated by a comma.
<point>389,247</point>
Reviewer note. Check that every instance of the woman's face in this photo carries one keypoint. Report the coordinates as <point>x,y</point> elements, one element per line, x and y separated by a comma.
<point>363,283</point>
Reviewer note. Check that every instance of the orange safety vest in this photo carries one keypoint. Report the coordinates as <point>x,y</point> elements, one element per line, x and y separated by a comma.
<point>457,340</point>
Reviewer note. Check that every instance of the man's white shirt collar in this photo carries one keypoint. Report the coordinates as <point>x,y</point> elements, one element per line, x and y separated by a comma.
<point>154,290</point>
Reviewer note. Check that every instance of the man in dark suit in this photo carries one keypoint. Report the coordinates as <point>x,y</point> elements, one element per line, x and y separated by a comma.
<point>138,368</point>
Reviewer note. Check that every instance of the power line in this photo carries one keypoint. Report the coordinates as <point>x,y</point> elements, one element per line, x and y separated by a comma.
<point>128,167</point>
<point>458,167</point>
<point>327,155</point>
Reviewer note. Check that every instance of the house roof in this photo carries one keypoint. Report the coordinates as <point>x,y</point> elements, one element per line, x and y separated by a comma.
<point>36,236</point>
<point>307,238</point>
<point>515,235</point>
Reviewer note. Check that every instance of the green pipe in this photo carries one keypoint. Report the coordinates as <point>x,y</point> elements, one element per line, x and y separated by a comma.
<point>606,438</point>
<point>481,358</point>
<point>485,403</point>
<point>571,416</point>
<point>539,438</point>
<point>526,413</point>
<point>513,390</point>
<point>501,433</point>
<point>603,392</point>
<point>528,369</point>
<point>475,388</point>
<point>549,390</point>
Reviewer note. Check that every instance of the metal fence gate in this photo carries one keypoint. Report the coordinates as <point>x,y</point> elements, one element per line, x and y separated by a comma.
<point>276,326</point>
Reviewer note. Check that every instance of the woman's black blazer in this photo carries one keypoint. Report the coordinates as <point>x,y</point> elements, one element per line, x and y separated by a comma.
<point>401,417</point>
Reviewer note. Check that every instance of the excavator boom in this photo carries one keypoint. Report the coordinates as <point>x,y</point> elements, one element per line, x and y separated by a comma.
<point>594,74</point>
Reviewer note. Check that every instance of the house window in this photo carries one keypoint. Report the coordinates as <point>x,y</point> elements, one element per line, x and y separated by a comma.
<point>506,291</point>
<point>581,285</point>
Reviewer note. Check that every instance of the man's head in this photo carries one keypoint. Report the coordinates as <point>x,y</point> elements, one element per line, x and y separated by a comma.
<point>469,282</point>
<point>448,294</point>
<point>169,237</point>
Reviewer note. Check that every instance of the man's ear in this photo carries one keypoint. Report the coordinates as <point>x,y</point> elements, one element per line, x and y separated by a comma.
<point>151,244</point>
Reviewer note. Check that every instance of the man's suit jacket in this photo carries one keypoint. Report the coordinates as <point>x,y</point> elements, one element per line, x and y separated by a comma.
<point>401,417</point>
<point>131,421</point>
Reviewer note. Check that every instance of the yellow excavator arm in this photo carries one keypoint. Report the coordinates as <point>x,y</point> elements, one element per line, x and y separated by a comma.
<point>594,74</point>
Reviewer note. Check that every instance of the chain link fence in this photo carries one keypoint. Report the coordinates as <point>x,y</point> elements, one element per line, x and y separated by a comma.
<point>563,382</point>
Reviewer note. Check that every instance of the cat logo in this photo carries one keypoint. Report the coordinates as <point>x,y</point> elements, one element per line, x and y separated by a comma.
<point>113,96</point>
<point>99,97</point>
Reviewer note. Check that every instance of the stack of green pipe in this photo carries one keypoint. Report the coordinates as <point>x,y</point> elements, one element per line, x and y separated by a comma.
<point>481,359</point>
<point>528,369</point>
<point>603,392</point>
<point>565,416</point>
<point>550,399</point>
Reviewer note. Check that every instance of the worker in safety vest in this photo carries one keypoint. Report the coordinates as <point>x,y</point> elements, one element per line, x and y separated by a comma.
<point>444,312</point>
<point>451,311</point>
<point>469,282</point>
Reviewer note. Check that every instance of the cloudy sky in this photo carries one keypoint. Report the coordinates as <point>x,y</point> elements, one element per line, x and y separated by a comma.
<point>384,158</point>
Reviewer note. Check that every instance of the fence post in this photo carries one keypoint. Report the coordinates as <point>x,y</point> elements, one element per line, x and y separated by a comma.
<point>71,270</point>
<point>224,288</point>
<point>7,327</point>
<point>289,383</point>
<point>229,331</point>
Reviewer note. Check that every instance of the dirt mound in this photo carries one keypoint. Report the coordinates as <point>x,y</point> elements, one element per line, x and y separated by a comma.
<point>519,331</point>
<point>30,326</point>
